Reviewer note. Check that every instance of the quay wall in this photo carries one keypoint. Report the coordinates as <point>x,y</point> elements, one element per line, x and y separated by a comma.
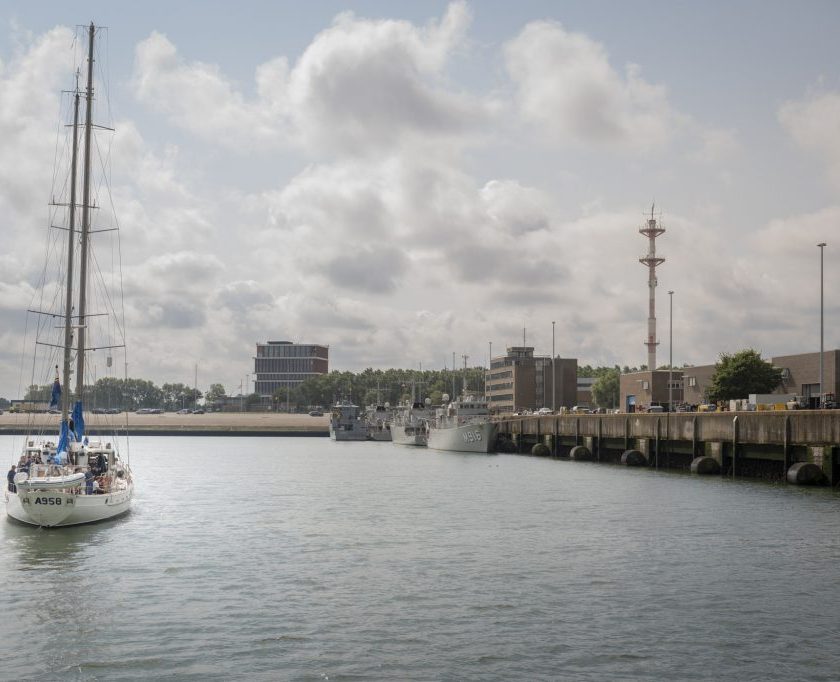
<point>754,444</point>
<point>170,424</point>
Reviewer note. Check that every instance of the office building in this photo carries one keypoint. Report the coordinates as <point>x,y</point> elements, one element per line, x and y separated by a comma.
<point>285,365</point>
<point>519,380</point>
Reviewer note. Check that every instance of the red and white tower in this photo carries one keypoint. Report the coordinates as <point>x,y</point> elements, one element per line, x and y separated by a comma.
<point>652,230</point>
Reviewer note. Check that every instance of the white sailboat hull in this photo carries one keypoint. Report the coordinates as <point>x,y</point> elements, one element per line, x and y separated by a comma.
<point>52,508</point>
<point>478,437</point>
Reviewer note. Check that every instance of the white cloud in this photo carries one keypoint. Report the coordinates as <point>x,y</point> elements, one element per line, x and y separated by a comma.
<point>361,85</point>
<point>716,146</point>
<point>198,97</point>
<point>814,123</point>
<point>408,232</point>
<point>30,82</point>
<point>567,88</point>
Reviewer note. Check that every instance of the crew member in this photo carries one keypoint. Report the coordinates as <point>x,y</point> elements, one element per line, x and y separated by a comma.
<point>10,477</point>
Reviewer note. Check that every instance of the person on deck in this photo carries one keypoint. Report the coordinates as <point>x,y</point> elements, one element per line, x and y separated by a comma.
<point>88,482</point>
<point>10,477</point>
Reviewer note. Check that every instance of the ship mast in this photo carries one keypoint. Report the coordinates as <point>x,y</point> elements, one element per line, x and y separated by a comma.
<point>71,245</point>
<point>83,276</point>
<point>464,393</point>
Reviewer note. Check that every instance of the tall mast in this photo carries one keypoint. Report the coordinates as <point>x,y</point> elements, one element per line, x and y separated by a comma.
<point>465,374</point>
<point>71,245</point>
<point>80,356</point>
<point>651,230</point>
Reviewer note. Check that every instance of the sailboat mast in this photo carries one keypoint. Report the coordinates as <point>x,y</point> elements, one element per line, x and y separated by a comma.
<point>71,245</point>
<point>83,276</point>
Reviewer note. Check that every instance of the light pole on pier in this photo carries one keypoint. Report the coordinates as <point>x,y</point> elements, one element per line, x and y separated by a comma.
<point>821,246</point>
<point>553,379</point>
<point>489,367</point>
<point>671,352</point>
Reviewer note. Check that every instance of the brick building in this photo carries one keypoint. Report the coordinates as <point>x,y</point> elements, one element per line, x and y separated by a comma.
<point>519,380</point>
<point>640,390</point>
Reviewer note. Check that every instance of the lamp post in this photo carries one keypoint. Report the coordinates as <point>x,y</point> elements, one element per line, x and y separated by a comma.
<point>821,246</point>
<point>489,367</point>
<point>553,392</point>
<point>671,353</point>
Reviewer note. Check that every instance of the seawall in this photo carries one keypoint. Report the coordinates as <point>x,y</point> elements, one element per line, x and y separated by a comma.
<point>764,445</point>
<point>170,424</point>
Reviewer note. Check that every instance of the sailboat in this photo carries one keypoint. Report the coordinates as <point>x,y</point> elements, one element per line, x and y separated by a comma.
<point>77,477</point>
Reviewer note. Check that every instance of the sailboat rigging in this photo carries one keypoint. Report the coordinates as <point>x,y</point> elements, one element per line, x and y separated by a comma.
<point>81,478</point>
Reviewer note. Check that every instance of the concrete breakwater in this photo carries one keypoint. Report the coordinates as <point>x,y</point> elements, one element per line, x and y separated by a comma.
<point>798,446</point>
<point>171,424</point>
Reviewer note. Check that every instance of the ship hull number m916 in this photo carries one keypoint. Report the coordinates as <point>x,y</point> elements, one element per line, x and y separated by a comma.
<point>472,436</point>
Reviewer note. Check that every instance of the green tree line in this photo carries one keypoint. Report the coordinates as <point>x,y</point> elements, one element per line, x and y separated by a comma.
<point>378,386</point>
<point>127,394</point>
<point>736,376</point>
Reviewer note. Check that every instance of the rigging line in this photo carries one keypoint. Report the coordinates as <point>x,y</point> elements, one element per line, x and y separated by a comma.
<point>105,292</point>
<point>119,321</point>
<point>58,137</point>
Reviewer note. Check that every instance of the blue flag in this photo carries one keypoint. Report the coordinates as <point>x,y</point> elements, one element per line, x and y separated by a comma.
<point>63,438</point>
<point>56,394</point>
<point>78,420</point>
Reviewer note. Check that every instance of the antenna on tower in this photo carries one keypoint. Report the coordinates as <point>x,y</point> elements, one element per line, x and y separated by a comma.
<point>652,230</point>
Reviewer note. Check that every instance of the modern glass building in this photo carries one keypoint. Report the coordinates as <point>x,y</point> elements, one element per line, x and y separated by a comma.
<point>283,364</point>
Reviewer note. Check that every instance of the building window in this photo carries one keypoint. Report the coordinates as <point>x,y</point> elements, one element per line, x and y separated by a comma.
<point>692,381</point>
<point>645,386</point>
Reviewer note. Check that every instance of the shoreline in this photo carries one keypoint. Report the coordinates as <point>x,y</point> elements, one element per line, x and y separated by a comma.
<point>172,424</point>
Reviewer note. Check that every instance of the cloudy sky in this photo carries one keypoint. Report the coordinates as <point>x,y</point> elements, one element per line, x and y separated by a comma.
<point>405,180</point>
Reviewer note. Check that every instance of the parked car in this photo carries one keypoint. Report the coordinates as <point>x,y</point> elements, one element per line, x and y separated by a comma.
<point>198,411</point>
<point>316,413</point>
<point>656,408</point>
<point>545,410</point>
<point>185,410</point>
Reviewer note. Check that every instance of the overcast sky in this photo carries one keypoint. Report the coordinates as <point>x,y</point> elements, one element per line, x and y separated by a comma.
<point>402,181</point>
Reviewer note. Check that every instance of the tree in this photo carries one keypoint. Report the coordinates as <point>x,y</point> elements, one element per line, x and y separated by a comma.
<point>37,393</point>
<point>605,389</point>
<point>215,393</point>
<point>742,373</point>
<point>179,395</point>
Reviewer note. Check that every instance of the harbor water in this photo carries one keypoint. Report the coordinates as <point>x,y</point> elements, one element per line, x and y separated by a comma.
<point>307,559</point>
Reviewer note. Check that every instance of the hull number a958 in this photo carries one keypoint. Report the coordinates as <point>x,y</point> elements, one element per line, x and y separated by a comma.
<point>48,500</point>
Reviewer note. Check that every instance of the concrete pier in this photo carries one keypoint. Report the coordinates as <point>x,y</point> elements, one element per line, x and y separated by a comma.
<point>172,424</point>
<point>762,445</point>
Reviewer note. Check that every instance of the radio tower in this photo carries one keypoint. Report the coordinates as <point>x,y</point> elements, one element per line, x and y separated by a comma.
<point>652,230</point>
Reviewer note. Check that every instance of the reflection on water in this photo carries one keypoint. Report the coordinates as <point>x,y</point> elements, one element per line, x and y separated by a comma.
<point>273,558</point>
<point>31,548</point>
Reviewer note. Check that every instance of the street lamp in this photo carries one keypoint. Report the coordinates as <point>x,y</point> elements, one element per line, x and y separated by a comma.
<point>671,353</point>
<point>489,367</point>
<point>487,386</point>
<point>821,245</point>
<point>553,393</point>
